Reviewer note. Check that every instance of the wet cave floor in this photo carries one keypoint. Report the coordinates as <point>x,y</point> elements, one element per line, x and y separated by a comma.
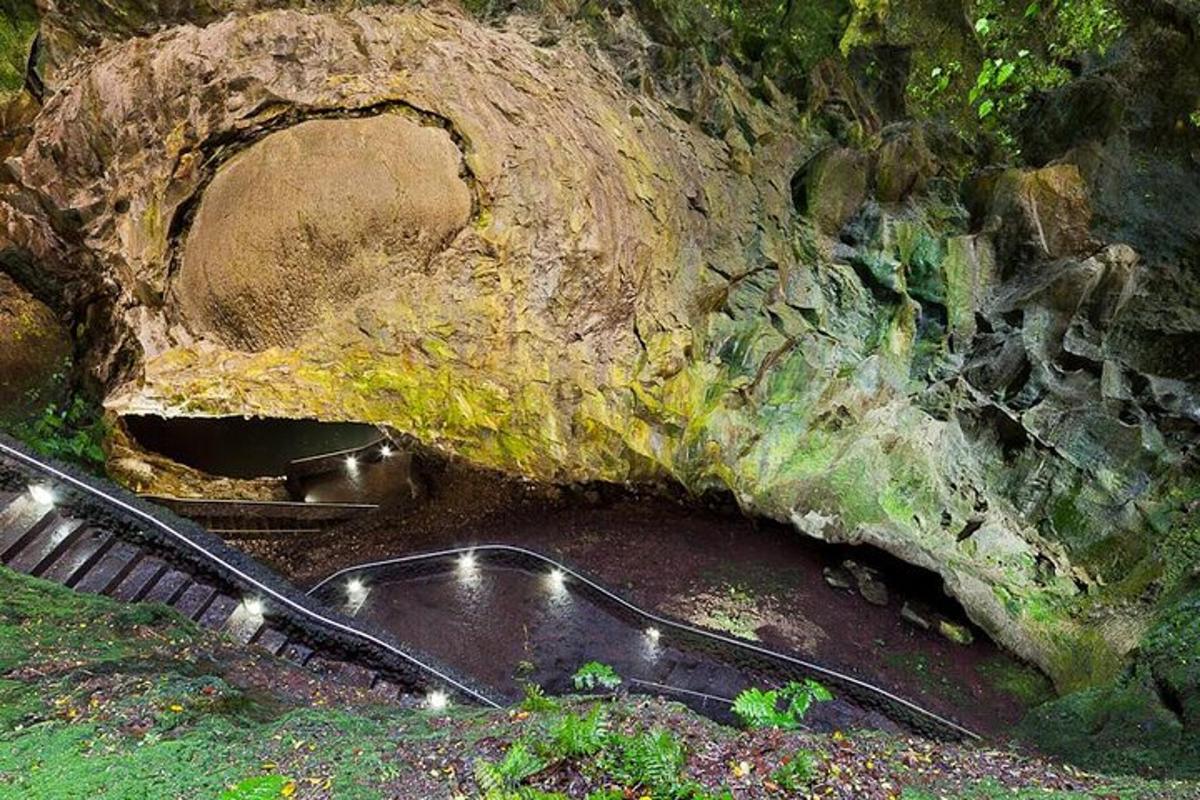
<point>701,562</point>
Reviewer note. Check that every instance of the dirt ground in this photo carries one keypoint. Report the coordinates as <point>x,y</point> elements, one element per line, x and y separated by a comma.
<point>699,559</point>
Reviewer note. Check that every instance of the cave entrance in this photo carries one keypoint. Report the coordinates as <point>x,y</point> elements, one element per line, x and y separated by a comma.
<point>237,447</point>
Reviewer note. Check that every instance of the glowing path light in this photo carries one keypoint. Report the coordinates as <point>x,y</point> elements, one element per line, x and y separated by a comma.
<point>653,634</point>
<point>254,608</point>
<point>557,579</point>
<point>42,495</point>
<point>437,700</point>
<point>351,464</point>
<point>386,451</point>
<point>356,595</point>
<point>467,562</point>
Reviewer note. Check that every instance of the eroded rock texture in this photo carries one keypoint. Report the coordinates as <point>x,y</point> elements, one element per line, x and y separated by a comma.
<point>508,251</point>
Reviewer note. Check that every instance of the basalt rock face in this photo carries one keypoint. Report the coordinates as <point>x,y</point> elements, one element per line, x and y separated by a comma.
<point>510,252</point>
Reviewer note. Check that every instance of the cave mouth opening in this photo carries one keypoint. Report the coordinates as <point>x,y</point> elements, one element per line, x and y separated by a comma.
<point>244,447</point>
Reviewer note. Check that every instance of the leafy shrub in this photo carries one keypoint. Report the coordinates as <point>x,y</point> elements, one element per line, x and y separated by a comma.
<point>73,432</point>
<point>652,761</point>
<point>779,708</point>
<point>594,674</point>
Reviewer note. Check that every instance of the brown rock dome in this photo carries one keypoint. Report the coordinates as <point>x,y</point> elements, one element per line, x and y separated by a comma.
<point>313,216</point>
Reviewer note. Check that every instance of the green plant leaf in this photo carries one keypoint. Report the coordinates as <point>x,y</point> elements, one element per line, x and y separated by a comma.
<point>264,787</point>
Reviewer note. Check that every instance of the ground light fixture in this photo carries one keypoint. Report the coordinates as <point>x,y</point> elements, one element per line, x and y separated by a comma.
<point>653,634</point>
<point>254,607</point>
<point>42,495</point>
<point>557,579</point>
<point>356,595</point>
<point>386,451</point>
<point>437,700</point>
<point>351,464</point>
<point>467,562</point>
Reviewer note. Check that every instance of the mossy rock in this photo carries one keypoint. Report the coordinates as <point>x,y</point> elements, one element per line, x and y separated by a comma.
<point>1147,722</point>
<point>18,26</point>
<point>35,354</point>
<point>832,187</point>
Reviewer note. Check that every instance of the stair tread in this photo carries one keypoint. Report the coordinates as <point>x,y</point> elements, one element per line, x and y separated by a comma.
<point>83,553</point>
<point>109,569</point>
<point>24,528</point>
<point>46,546</point>
<point>139,580</point>
<point>194,600</point>
<point>218,612</point>
<point>270,639</point>
<point>298,653</point>
<point>167,588</point>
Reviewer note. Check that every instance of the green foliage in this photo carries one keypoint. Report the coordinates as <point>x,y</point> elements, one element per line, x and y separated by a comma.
<point>1019,49</point>
<point>536,699</point>
<point>1146,721</point>
<point>73,431</point>
<point>593,675</point>
<point>505,777</point>
<point>264,787</point>
<point>18,24</point>
<point>572,736</point>
<point>652,761</point>
<point>779,708</point>
<point>796,772</point>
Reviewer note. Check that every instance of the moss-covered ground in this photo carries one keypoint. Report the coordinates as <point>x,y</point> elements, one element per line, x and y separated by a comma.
<point>104,700</point>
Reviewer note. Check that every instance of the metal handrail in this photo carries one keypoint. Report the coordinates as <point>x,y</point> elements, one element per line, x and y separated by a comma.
<point>664,622</point>
<point>246,579</point>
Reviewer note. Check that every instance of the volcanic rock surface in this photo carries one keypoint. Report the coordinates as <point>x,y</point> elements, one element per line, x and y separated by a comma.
<point>499,245</point>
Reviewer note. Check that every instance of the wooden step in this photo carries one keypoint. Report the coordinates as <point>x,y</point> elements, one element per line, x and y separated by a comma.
<point>195,599</point>
<point>168,588</point>
<point>218,612</point>
<point>297,653</point>
<point>111,569</point>
<point>139,580</point>
<point>269,639</point>
<point>24,530</point>
<point>46,547</point>
<point>88,548</point>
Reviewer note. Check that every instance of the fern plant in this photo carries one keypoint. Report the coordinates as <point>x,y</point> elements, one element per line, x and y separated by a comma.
<point>652,761</point>
<point>504,778</point>
<point>536,699</point>
<point>572,735</point>
<point>594,674</point>
<point>779,708</point>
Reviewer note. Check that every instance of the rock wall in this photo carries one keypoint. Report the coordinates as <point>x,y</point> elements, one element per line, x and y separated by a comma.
<point>514,254</point>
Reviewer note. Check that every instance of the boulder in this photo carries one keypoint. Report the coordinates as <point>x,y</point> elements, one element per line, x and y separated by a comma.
<point>1038,214</point>
<point>832,187</point>
<point>904,164</point>
<point>868,583</point>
